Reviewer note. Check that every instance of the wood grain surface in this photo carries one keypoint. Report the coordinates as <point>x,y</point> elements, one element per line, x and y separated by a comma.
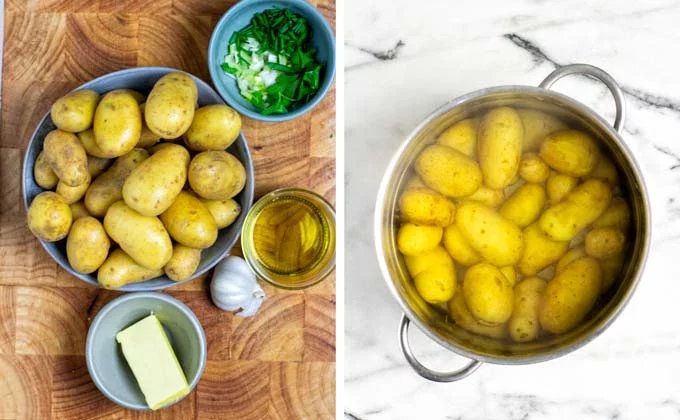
<point>279,364</point>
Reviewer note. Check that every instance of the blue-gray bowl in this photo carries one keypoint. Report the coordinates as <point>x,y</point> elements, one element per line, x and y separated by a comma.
<point>239,17</point>
<point>105,361</point>
<point>143,79</point>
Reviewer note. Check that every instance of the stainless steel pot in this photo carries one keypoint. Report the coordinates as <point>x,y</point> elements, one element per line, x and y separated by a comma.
<point>433,321</point>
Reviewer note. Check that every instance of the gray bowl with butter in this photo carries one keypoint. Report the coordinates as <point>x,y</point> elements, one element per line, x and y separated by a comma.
<point>106,363</point>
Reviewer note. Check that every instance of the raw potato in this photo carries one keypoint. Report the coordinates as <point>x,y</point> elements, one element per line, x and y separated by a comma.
<point>617,215</point>
<point>183,263</point>
<point>570,152</point>
<point>73,194</point>
<point>87,245</point>
<point>568,258</point>
<point>603,243</point>
<point>215,127</point>
<point>458,247</point>
<point>537,126</point>
<point>154,184</point>
<point>119,269</point>
<point>611,268</point>
<point>559,185</point>
<point>464,319</point>
<point>66,157</point>
<point>216,175</point>
<point>539,251</point>
<point>510,274</point>
<point>189,222</point>
<point>488,294</point>
<point>79,210</point>
<point>448,171</point>
<point>462,136</point>
<point>74,112</point>
<point>170,106</point>
<point>415,239</point>
<point>147,138</point>
<point>499,146</point>
<point>139,97</point>
<point>524,205</point>
<point>414,182</point>
<point>108,187</point>
<point>533,169</point>
<point>570,295</point>
<point>426,207</point>
<point>225,212</point>
<point>416,264</point>
<point>117,123</point>
<point>90,144</point>
<point>436,284</point>
<point>159,147</point>
<point>494,238</point>
<point>605,170</point>
<point>580,208</point>
<point>142,237</point>
<point>523,324</point>
<point>487,196</point>
<point>43,174</point>
<point>49,217</point>
<point>95,166</point>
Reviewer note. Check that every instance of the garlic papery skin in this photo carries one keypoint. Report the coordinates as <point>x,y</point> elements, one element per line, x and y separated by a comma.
<point>234,287</point>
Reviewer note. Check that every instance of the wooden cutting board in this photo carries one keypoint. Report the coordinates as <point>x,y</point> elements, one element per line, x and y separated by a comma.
<point>279,364</point>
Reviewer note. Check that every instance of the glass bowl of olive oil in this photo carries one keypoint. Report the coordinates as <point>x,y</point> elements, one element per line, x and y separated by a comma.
<point>288,238</point>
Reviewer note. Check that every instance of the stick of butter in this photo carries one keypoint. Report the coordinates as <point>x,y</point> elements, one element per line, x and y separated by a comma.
<point>153,362</point>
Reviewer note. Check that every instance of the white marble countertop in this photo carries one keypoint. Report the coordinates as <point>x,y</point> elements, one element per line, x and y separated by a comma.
<point>403,60</point>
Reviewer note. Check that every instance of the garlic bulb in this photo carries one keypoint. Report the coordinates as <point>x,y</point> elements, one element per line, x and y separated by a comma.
<point>234,286</point>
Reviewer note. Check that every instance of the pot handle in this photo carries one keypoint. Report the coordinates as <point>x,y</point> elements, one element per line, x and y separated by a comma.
<point>427,373</point>
<point>599,74</point>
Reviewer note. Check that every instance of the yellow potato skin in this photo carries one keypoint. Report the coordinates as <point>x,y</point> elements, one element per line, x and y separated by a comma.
<point>461,136</point>
<point>524,205</point>
<point>73,194</point>
<point>117,123</point>
<point>183,263</point>
<point>461,315</point>
<point>559,185</point>
<point>87,245</point>
<point>49,217</point>
<point>42,173</point>
<point>458,247</point>
<point>510,274</point>
<point>79,210</point>
<point>224,212</point>
<point>95,166</point>
<point>215,127</point>
<point>147,138</point>
<point>533,169</point>
<point>539,251</point>
<point>570,295</point>
<point>426,207</point>
<point>497,240</point>
<point>415,239</point>
<point>170,106</point>
<point>448,171</point>
<point>416,264</point>
<point>189,222</point>
<point>605,170</point>
<point>537,126</point>
<point>611,268</point>
<point>143,238</point>
<point>569,257</point>
<point>488,294</point>
<point>154,184</point>
<point>487,196</point>
<point>108,187</point>
<point>414,182</point>
<point>436,284</point>
<point>617,215</point>
<point>603,243</point>
<point>75,111</point>
<point>119,269</point>
<point>581,207</point>
<point>216,175</point>
<point>66,157</point>
<point>524,325</point>
<point>90,145</point>
<point>499,146</point>
<point>570,152</point>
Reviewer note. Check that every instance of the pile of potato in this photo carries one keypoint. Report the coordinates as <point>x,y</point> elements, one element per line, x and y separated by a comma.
<point>115,182</point>
<point>525,212</point>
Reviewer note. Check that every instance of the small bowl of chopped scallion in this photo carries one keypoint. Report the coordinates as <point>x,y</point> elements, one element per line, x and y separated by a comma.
<point>272,60</point>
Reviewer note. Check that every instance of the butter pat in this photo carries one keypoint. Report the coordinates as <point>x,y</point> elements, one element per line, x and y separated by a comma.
<point>153,362</point>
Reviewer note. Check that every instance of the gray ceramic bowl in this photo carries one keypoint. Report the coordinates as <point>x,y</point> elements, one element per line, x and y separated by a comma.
<point>143,79</point>
<point>237,18</point>
<point>105,361</point>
